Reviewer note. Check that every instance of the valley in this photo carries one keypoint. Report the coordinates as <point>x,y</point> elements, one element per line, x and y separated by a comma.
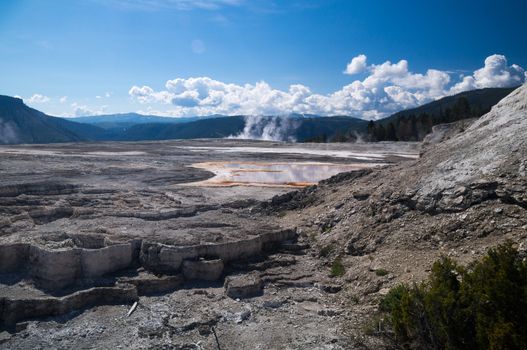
<point>88,225</point>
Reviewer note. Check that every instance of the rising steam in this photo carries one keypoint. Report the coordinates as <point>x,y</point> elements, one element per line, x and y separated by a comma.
<point>269,128</point>
<point>7,133</point>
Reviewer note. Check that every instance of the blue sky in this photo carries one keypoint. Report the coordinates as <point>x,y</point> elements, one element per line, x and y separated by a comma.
<point>195,57</point>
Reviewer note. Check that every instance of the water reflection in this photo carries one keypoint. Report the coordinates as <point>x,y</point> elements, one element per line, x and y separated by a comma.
<point>274,174</point>
<point>359,154</point>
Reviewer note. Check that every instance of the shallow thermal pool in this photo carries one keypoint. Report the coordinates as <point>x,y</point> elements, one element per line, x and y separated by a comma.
<point>273,174</point>
<point>337,153</point>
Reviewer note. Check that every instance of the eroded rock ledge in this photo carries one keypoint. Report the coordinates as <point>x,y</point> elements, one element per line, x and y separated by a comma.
<point>94,258</point>
<point>13,310</point>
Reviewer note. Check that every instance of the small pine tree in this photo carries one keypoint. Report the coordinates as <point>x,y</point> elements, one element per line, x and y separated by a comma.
<point>483,306</point>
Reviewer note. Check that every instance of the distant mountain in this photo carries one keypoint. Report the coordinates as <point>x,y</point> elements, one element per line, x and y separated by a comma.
<point>126,120</point>
<point>295,127</point>
<point>330,129</point>
<point>22,124</point>
<point>481,100</point>
<point>217,127</point>
<point>414,124</point>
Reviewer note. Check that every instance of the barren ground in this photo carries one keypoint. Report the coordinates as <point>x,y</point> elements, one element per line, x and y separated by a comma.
<point>102,206</point>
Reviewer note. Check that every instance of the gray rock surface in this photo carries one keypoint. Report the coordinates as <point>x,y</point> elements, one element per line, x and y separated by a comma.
<point>207,270</point>
<point>243,286</point>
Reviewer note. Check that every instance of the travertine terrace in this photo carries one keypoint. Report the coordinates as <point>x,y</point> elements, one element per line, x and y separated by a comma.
<point>95,224</point>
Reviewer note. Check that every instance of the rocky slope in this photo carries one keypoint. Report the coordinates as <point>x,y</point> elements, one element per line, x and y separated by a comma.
<point>22,124</point>
<point>486,163</point>
<point>387,226</point>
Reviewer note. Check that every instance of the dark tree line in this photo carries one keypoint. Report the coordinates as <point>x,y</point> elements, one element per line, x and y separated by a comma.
<point>413,127</point>
<point>338,136</point>
<point>408,125</point>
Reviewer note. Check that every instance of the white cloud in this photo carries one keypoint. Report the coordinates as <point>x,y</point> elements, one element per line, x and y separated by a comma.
<point>63,99</point>
<point>83,110</point>
<point>389,87</point>
<point>38,98</point>
<point>188,98</point>
<point>106,95</point>
<point>357,65</point>
<point>146,94</point>
<point>495,73</point>
<point>142,94</point>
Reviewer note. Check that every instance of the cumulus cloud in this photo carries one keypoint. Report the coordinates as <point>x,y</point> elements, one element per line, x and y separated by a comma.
<point>63,99</point>
<point>142,94</point>
<point>146,94</point>
<point>388,87</point>
<point>495,73</point>
<point>357,65</point>
<point>83,110</point>
<point>38,98</point>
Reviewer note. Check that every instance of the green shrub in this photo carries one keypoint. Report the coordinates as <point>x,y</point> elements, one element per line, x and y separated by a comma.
<point>483,306</point>
<point>374,326</point>
<point>393,298</point>
<point>381,272</point>
<point>326,251</point>
<point>327,229</point>
<point>337,269</point>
